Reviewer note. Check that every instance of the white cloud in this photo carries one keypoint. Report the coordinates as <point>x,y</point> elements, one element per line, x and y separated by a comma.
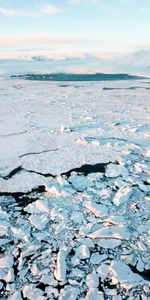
<point>44,10</point>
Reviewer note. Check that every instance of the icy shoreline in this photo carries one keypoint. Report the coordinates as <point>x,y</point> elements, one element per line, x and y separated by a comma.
<point>74,190</point>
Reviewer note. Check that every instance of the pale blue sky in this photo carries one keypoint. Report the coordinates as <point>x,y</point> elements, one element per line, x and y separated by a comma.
<point>50,26</point>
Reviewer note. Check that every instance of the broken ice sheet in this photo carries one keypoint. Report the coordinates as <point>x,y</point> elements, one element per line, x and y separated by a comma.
<point>76,210</point>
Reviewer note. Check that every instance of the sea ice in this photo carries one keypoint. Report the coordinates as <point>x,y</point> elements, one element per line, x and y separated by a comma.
<point>74,203</point>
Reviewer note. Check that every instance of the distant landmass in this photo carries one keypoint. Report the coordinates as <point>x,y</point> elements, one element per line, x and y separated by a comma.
<point>77,77</point>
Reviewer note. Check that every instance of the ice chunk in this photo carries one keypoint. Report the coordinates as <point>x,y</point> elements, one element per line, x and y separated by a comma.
<point>58,213</point>
<point>115,220</point>
<point>82,252</point>
<point>22,182</point>
<point>51,292</point>
<point>122,195</point>
<point>86,241</point>
<point>69,293</point>
<point>3,214</point>
<point>61,268</point>
<point>103,271</point>
<point>38,206</point>
<point>109,243</point>
<point>94,294</point>
<point>77,217</point>
<point>6,262</point>
<point>92,280</point>
<point>113,170</point>
<point>7,275</point>
<point>4,241</point>
<point>80,183</point>
<point>39,221</point>
<point>146,152</point>
<point>1,285</point>
<point>48,280</point>
<point>21,233</point>
<point>4,226</point>
<point>75,272</point>
<point>121,272</point>
<point>16,296</point>
<point>119,233</point>
<point>96,258</point>
<point>98,210</point>
<point>6,200</point>
<point>33,293</point>
<point>139,168</point>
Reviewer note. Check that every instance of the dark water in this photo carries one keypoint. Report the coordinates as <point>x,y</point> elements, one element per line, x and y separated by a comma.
<point>77,77</point>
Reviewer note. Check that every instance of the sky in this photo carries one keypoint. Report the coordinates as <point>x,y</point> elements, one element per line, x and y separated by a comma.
<point>70,28</point>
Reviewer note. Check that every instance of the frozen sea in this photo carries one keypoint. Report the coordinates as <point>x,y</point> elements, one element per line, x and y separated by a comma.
<point>74,190</point>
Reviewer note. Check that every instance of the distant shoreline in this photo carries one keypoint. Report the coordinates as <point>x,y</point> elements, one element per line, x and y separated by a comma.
<point>77,77</point>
